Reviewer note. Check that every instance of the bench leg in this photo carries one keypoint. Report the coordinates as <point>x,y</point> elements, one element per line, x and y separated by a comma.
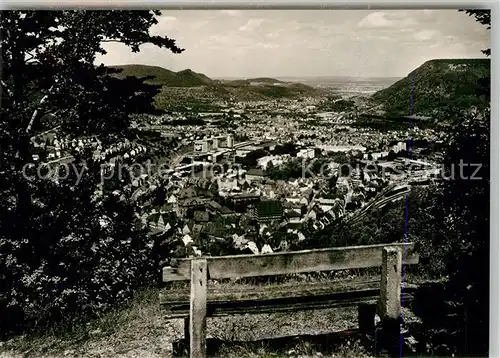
<point>186,340</point>
<point>366,318</point>
<point>186,329</point>
<point>391,337</point>
<point>198,309</point>
<point>180,348</point>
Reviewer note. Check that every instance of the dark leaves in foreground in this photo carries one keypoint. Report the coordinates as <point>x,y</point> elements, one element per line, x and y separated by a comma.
<point>66,251</point>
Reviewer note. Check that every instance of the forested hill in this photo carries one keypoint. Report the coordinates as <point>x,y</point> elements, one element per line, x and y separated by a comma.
<point>164,77</point>
<point>188,86</point>
<point>437,85</point>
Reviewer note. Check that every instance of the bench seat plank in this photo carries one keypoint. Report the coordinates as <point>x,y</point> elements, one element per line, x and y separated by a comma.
<point>220,309</point>
<point>278,298</point>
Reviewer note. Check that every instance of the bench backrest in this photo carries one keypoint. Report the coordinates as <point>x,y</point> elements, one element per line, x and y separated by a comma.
<point>281,263</point>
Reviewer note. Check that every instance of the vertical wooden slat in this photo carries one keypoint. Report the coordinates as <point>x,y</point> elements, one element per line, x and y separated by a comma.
<point>198,309</point>
<point>390,285</point>
<point>389,307</point>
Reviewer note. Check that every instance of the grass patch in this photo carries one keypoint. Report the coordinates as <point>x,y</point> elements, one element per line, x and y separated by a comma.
<point>139,327</point>
<point>348,348</point>
<point>61,338</point>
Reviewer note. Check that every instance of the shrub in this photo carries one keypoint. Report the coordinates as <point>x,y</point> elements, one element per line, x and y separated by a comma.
<point>70,256</point>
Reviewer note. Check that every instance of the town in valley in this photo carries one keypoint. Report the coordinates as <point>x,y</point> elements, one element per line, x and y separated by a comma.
<point>259,176</point>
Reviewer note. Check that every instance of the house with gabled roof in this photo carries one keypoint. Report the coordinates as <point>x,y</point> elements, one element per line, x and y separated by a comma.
<point>144,218</point>
<point>188,227</point>
<point>255,175</point>
<point>244,184</point>
<point>187,192</point>
<point>137,194</point>
<point>201,216</point>
<point>225,211</point>
<point>267,210</point>
<point>293,216</point>
<point>158,222</point>
<point>308,193</point>
<point>186,206</point>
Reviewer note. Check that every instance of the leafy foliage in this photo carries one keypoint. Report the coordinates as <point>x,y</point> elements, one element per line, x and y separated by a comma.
<point>65,249</point>
<point>251,159</point>
<point>484,18</point>
<point>465,222</point>
<point>453,229</point>
<point>286,148</point>
<point>466,230</point>
<point>387,224</point>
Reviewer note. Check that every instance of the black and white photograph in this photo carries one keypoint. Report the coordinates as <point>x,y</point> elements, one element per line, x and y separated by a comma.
<point>245,182</point>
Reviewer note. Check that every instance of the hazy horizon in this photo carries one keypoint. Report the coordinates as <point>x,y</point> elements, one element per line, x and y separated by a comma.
<point>305,77</point>
<point>307,43</point>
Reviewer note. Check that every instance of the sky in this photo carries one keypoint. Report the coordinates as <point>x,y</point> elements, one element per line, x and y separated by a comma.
<point>307,43</point>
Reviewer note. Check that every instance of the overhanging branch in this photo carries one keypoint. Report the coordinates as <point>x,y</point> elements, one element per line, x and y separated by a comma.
<point>4,85</point>
<point>35,113</point>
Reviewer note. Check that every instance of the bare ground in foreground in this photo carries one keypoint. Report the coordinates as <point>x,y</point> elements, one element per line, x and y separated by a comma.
<point>141,331</point>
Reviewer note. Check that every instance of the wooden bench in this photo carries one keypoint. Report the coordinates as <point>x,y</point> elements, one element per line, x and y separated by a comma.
<point>383,296</point>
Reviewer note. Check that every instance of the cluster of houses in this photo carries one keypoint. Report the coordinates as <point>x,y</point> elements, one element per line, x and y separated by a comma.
<point>122,150</point>
<point>51,146</point>
<point>254,201</point>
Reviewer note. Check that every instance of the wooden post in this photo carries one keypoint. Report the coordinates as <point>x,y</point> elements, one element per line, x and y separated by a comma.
<point>389,308</point>
<point>198,309</point>
<point>390,285</point>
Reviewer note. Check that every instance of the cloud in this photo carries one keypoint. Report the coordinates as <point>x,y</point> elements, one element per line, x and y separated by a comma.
<point>198,24</point>
<point>274,35</point>
<point>382,37</point>
<point>382,20</point>
<point>231,41</point>
<point>220,39</point>
<point>425,35</point>
<point>165,23</point>
<point>374,20</point>
<point>251,25</point>
<point>231,12</point>
<point>168,18</point>
<point>308,43</point>
<point>267,45</point>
